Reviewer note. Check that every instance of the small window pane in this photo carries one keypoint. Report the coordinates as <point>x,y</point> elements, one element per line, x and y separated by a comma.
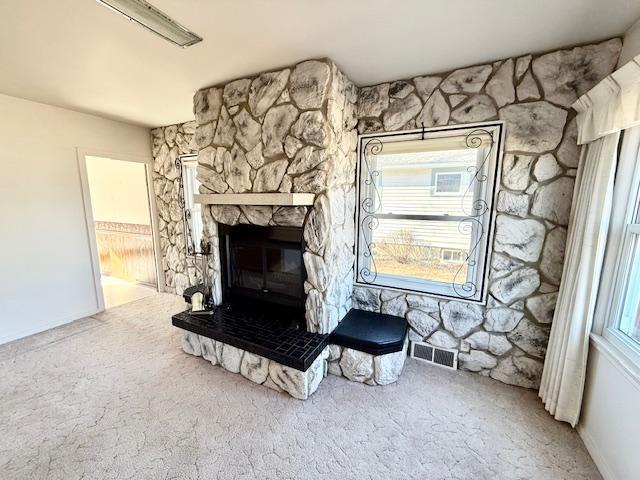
<point>191,186</point>
<point>453,256</point>
<point>630,321</point>
<point>448,182</point>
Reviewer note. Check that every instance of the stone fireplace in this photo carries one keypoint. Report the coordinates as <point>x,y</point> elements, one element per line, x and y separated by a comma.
<point>287,131</point>
<point>259,140</point>
<point>293,130</point>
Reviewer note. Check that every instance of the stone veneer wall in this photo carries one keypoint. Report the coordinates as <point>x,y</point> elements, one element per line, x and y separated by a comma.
<point>290,130</point>
<point>258,369</point>
<point>168,143</point>
<point>263,134</point>
<point>533,95</point>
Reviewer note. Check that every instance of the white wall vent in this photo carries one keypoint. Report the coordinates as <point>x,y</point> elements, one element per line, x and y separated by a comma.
<point>442,357</point>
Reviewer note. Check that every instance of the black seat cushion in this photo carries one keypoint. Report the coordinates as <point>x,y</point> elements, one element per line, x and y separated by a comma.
<point>370,332</point>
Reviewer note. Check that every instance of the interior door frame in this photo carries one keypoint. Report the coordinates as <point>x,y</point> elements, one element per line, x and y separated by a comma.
<point>147,161</point>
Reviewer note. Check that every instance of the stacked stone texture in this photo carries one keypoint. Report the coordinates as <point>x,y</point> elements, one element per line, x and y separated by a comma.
<point>533,96</point>
<point>258,369</point>
<point>168,143</point>
<point>291,130</point>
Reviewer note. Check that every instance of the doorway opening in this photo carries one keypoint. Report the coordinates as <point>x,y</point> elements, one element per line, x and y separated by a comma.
<point>122,221</point>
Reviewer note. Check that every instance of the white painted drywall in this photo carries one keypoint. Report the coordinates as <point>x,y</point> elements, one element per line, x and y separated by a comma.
<point>118,191</point>
<point>46,276</point>
<point>610,418</point>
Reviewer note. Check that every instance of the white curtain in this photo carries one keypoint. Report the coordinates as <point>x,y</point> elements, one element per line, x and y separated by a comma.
<point>610,107</point>
<point>566,361</point>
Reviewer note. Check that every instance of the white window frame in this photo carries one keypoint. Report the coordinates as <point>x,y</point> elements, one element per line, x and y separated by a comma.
<point>190,209</point>
<point>613,333</point>
<point>444,194</point>
<point>624,233</point>
<point>478,268</point>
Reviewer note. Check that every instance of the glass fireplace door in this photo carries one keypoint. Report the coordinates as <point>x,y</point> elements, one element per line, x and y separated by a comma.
<point>248,267</point>
<point>276,269</point>
<point>284,270</point>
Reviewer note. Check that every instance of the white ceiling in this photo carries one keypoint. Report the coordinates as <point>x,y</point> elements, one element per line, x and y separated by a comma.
<point>79,55</point>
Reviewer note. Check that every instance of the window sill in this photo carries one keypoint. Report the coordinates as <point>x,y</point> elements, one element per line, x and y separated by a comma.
<point>432,294</point>
<point>618,358</point>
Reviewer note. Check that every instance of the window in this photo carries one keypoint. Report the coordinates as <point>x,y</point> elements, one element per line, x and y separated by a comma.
<point>630,320</point>
<point>628,279</point>
<point>452,256</point>
<point>192,211</point>
<point>426,209</point>
<point>448,183</point>
<point>619,293</point>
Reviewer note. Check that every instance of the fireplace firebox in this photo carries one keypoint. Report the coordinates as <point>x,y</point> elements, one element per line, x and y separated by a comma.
<point>263,267</point>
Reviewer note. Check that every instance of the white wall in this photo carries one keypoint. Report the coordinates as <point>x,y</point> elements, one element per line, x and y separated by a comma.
<point>631,44</point>
<point>610,418</point>
<point>46,276</point>
<point>118,191</point>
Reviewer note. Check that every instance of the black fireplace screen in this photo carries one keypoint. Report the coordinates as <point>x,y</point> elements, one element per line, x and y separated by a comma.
<point>263,263</point>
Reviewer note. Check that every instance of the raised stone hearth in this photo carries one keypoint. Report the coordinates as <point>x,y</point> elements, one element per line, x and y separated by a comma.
<point>294,361</point>
<point>297,383</point>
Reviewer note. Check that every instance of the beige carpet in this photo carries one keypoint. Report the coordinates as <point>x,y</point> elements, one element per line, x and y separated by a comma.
<point>114,397</point>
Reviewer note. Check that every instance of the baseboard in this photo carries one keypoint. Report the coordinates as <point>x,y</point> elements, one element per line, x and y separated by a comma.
<point>594,451</point>
<point>39,327</point>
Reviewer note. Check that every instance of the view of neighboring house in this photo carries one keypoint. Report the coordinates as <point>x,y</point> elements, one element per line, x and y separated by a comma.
<point>424,205</point>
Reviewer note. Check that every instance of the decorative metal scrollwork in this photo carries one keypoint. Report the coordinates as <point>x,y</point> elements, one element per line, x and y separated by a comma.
<point>474,210</point>
<point>478,206</point>
<point>463,287</point>
<point>370,204</point>
<point>186,213</point>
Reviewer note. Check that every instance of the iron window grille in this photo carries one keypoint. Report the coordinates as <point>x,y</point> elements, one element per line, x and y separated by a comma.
<point>474,150</point>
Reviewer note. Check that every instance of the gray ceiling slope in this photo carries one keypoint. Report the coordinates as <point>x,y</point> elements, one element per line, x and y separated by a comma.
<point>77,54</point>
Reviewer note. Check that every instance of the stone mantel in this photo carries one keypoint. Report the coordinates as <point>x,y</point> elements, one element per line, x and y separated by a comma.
<point>259,199</point>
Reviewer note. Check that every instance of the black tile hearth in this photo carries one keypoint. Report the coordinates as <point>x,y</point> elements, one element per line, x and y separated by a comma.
<point>257,330</point>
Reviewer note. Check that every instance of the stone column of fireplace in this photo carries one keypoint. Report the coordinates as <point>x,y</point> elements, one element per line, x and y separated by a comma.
<point>168,143</point>
<point>290,130</point>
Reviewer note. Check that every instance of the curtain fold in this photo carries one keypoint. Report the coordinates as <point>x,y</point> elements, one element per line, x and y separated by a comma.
<point>566,361</point>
